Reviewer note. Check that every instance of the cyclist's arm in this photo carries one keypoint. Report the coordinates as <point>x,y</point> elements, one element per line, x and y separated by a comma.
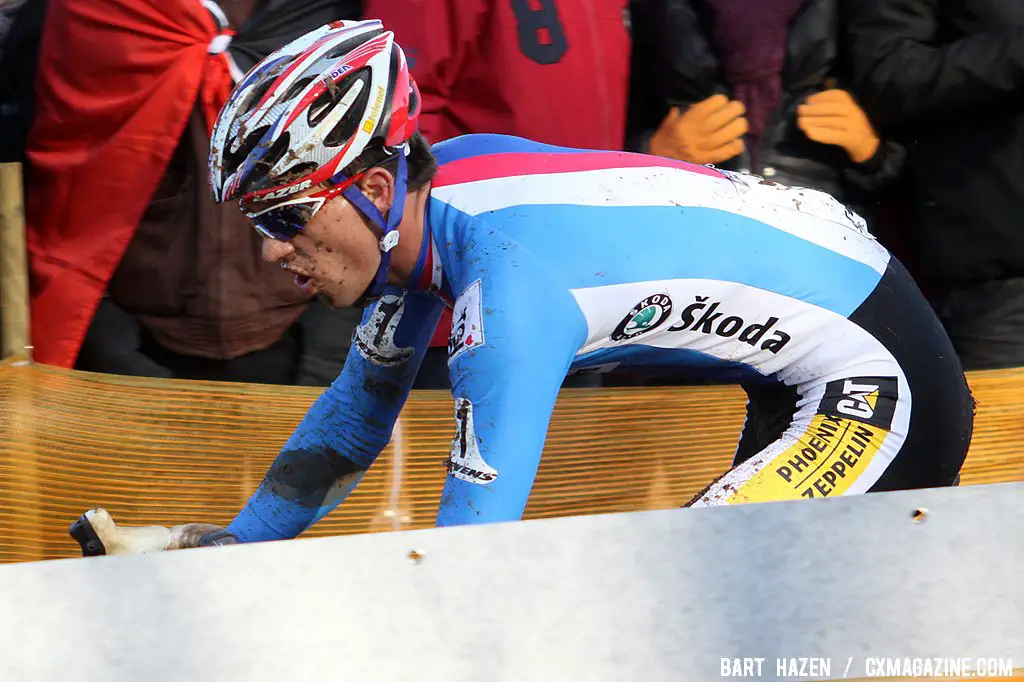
<point>506,386</point>
<point>348,426</point>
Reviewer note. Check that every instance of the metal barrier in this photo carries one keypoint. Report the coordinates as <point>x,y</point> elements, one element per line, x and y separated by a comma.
<point>639,596</point>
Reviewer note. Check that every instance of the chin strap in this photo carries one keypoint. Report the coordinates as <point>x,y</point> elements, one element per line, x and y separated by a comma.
<point>388,226</point>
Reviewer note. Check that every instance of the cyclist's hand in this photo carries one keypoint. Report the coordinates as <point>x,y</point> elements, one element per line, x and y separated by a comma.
<point>833,117</point>
<point>710,131</point>
<point>97,534</point>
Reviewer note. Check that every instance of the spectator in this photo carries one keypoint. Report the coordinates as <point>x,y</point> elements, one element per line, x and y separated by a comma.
<point>948,77</point>
<point>134,269</point>
<point>556,71</point>
<point>20,27</point>
<point>756,87</point>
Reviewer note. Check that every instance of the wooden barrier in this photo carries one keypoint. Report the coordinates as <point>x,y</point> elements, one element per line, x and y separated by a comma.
<point>169,452</point>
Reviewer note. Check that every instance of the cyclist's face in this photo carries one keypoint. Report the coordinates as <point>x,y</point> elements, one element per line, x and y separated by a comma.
<point>335,256</point>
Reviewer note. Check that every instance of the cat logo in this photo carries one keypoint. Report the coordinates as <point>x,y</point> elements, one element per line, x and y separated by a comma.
<point>871,400</point>
<point>861,402</point>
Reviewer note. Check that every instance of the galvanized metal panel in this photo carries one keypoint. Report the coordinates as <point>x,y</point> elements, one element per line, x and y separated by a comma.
<point>646,596</point>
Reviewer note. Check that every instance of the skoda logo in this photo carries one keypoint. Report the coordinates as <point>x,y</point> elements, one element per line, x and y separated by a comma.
<point>644,316</point>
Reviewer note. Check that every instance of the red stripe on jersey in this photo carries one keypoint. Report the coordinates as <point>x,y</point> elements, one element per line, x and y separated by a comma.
<point>490,166</point>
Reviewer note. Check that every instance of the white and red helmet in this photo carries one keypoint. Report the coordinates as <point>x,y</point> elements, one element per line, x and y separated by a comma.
<point>309,109</point>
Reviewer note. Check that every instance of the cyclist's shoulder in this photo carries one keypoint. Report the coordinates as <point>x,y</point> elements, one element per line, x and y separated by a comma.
<point>479,175</point>
<point>476,157</point>
<point>475,145</point>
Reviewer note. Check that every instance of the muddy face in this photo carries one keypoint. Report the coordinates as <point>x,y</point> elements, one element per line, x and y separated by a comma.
<point>334,257</point>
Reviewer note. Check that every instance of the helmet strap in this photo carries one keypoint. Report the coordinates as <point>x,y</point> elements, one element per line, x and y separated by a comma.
<point>388,226</point>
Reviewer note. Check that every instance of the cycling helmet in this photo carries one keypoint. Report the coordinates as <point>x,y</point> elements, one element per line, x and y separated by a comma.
<point>309,109</point>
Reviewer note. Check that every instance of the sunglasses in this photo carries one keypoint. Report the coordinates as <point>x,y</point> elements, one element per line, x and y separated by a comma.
<point>285,220</point>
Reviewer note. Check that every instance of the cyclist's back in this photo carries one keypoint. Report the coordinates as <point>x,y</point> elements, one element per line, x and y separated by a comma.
<point>615,228</point>
<point>607,261</point>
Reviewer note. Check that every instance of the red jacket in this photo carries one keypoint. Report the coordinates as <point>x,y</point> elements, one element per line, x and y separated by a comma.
<point>555,71</point>
<point>117,82</point>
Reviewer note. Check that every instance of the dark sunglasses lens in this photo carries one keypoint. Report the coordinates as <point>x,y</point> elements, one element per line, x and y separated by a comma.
<point>284,223</point>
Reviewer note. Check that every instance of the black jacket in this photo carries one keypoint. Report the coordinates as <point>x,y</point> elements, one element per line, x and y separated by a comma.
<point>19,54</point>
<point>949,77</point>
<point>674,65</point>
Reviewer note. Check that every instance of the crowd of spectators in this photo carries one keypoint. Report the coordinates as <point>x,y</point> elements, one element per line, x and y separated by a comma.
<point>909,111</point>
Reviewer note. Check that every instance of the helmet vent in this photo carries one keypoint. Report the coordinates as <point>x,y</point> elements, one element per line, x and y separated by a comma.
<point>233,159</point>
<point>343,48</point>
<point>297,87</point>
<point>254,98</point>
<point>299,170</point>
<point>333,95</point>
<point>261,168</point>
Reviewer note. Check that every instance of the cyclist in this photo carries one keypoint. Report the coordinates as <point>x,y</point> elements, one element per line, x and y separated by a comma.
<point>556,260</point>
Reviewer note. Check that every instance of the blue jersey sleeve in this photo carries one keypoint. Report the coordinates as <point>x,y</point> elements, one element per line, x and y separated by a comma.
<point>348,425</point>
<point>515,332</point>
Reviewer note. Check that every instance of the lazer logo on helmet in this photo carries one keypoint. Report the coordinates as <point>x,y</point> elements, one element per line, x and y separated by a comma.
<point>713,321</point>
<point>287,191</point>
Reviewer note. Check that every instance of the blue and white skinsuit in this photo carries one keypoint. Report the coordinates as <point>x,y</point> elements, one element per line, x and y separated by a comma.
<point>559,260</point>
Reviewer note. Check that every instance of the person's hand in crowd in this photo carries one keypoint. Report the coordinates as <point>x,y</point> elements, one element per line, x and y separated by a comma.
<point>710,131</point>
<point>833,117</point>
